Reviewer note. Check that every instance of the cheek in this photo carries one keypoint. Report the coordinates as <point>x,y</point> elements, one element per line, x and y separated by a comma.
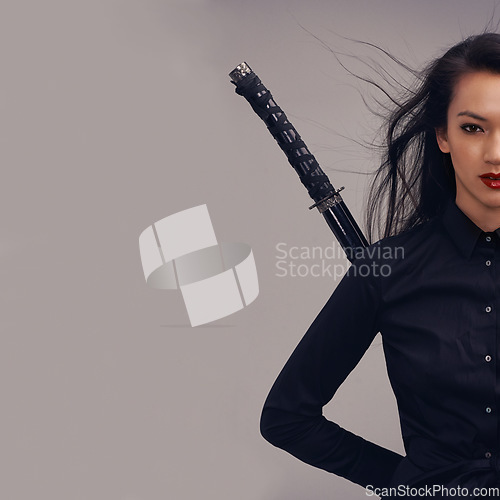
<point>463,152</point>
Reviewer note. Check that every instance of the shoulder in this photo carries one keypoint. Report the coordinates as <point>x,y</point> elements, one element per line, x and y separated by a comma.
<point>400,252</point>
<point>397,245</point>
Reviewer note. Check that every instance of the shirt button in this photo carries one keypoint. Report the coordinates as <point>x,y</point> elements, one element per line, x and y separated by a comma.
<point>488,409</point>
<point>488,262</point>
<point>488,238</point>
<point>487,454</point>
<point>487,358</point>
<point>488,309</point>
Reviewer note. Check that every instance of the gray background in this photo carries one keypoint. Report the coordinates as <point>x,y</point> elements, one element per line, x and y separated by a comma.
<point>115,114</point>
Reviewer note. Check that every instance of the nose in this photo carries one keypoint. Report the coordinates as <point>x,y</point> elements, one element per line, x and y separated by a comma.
<point>492,150</point>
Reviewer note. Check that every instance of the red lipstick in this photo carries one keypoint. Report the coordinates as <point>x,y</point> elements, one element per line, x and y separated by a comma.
<point>491,180</point>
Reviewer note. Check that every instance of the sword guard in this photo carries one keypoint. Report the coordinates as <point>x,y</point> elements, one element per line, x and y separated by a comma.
<point>327,202</point>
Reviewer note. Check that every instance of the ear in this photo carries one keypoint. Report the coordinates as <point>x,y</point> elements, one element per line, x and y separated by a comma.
<point>442,140</point>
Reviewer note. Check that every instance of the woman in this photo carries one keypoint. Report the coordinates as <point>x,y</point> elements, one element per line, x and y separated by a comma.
<point>431,286</point>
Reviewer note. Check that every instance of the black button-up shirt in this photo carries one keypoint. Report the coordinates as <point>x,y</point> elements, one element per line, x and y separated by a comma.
<point>433,293</point>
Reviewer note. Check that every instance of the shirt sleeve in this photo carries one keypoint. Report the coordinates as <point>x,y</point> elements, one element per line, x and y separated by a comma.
<point>292,417</point>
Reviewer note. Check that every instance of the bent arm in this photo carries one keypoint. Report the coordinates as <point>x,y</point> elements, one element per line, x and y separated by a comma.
<point>292,417</point>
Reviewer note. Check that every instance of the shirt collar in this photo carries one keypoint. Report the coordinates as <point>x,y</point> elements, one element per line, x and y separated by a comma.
<point>461,229</point>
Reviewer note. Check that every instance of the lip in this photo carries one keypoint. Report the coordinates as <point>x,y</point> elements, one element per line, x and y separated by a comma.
<point>490,174</point>
<point>491,180</point>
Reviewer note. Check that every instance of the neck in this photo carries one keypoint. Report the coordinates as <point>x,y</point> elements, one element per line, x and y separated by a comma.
<point>487,219</point>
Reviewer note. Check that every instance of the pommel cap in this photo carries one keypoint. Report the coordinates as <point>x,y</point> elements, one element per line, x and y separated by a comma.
<point>240,72</point>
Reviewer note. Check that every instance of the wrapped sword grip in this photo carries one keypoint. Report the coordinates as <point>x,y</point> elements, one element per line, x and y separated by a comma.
<point>326,198</point>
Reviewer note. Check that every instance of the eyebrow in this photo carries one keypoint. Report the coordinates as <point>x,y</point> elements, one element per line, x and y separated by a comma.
<point>472,115</point>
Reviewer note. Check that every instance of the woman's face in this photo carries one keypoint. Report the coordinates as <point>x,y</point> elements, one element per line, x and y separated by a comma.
<point>472,137</point>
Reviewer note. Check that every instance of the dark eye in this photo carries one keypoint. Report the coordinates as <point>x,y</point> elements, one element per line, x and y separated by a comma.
<point>471,128</point>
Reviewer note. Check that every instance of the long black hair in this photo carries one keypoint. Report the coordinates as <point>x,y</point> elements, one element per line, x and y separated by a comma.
<point>415,179</point>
